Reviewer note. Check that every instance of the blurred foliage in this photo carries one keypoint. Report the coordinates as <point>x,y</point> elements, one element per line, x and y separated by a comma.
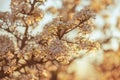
<point>51,55</point>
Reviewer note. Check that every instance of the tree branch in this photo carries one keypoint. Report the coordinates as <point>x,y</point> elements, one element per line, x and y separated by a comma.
<point>77,25</point>
<point>32,7</point>
<point>8,30</point>
<point>25,38</point>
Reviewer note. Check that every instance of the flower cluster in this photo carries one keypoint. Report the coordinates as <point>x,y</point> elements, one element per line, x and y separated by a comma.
<point>47,55</point>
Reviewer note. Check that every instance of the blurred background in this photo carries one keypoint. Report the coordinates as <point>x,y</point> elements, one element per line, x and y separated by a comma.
<point>106,61</point>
